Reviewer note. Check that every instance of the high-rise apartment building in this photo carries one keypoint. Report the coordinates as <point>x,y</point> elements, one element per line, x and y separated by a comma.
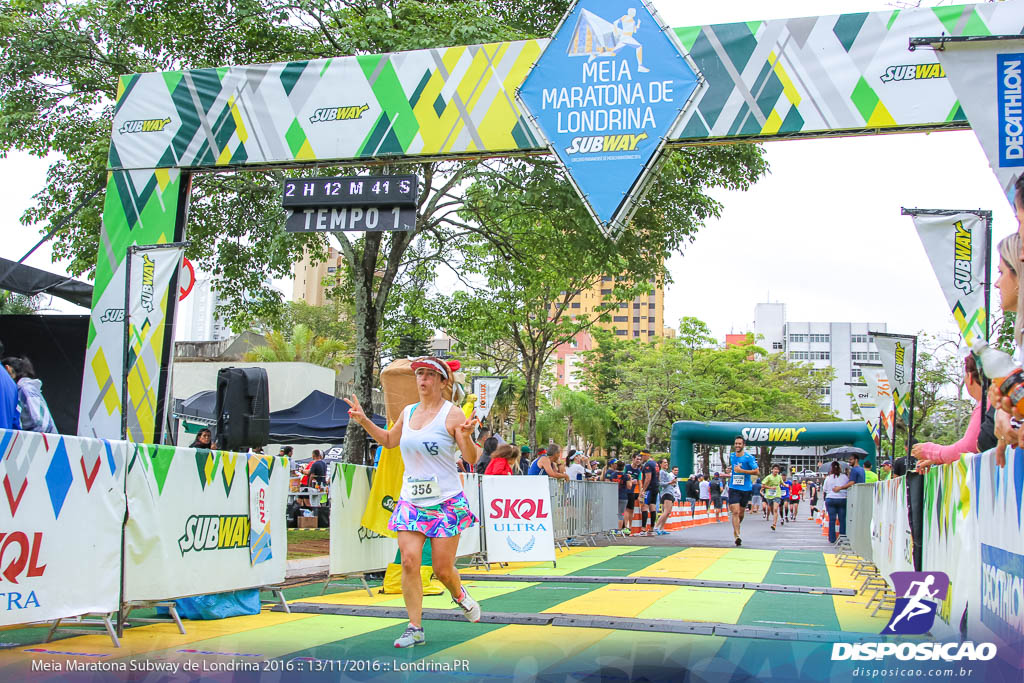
<point>642,318</point>
<point>823,345</point>
<point>197,318</point>
<point>309,277</point>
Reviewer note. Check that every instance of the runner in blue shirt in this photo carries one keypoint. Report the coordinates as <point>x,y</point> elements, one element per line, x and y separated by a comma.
<point>785,499</point>
<point>741,466</point>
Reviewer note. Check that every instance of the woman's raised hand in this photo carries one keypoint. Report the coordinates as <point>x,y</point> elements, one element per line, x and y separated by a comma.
<point>355,411</point>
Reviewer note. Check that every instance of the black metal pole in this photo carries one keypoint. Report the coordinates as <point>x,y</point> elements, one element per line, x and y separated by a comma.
<point>127,335</point>
<point>913,389</point>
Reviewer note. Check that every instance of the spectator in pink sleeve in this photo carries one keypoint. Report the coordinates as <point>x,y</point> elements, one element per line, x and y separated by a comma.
<point>929,454</point>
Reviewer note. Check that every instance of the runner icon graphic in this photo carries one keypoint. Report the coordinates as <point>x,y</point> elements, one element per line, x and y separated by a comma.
<point>921,592</point>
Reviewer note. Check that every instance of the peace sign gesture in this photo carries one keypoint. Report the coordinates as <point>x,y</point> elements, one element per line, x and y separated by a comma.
<point>355,411</point>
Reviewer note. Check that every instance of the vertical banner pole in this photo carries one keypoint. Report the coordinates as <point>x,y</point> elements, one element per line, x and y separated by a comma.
<point>987,284</point>
<point>124,355</point>
<point>913,389</point>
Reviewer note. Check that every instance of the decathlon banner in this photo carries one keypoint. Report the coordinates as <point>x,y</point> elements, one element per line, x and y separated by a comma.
<point>486,389</point>
<point>996,597</point>
<point>188,530</point>
<point>892,547</point>
<point>956,247</point>
<point>518,521</point>
<point>152,275</point>
<point>988,79</point>
<point>897,353</point>
<point>881,393</point>
<point>61,512</point>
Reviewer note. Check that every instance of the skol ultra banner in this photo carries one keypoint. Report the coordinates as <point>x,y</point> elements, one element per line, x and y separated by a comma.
<point>891,542</point>
<point>61,510</point>
<point>189,529</point>
<point>486,389</point>
<point>881,394</point>
<point>897,356</point>
<point>988,79</point>
<point>955,246</point>
<point>518,520</point>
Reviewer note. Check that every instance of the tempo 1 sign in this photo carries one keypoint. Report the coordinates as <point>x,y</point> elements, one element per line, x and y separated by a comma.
<point>357,203</point>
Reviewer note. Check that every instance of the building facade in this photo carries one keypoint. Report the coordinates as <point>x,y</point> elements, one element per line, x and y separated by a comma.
<point>310,277</point>
<point>642,318</point>
<point>197,318</point>
<point>836,345</point>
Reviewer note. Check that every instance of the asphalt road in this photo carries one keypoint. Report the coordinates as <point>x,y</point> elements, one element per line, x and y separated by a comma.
<point>754,531</point>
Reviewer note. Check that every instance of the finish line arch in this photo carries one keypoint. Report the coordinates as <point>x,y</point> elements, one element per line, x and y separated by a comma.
<point>686,433</point>
<point>806,77</point>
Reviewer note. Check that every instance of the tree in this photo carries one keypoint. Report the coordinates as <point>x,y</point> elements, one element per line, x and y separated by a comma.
<point>18,304</point>
<point>59,80</point>
<point>579,414</point>
<point>302,346</point>
<point>652,380</point>
<point>537,249</point>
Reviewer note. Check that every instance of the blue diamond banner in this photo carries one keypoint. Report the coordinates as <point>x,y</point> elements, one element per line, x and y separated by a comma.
<point>606,92</point>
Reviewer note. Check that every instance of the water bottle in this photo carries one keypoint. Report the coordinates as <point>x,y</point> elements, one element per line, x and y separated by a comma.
<point>1006,375</point>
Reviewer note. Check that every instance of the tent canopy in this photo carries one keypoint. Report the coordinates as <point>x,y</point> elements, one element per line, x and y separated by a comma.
<point>318,418</point>
<point>17,277</point>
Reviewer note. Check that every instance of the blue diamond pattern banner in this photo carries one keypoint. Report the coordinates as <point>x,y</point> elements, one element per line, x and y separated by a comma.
<point>606,92</point>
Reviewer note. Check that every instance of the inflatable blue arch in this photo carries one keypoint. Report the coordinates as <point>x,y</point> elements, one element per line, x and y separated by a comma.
<point>686,433</point>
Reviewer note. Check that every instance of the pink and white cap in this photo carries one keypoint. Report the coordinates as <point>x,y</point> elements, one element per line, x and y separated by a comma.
<point>435,364</point>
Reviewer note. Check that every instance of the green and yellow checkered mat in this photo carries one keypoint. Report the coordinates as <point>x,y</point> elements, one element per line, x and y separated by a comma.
<point>528,650</point>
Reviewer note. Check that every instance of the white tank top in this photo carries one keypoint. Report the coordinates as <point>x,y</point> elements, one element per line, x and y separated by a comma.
<point>431,452</point>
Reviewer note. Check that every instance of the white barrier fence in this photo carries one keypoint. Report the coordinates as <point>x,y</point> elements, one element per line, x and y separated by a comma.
<point>61,515</point>
<point>187,532</point>
<point>577,509</point>
<point>189,523</point>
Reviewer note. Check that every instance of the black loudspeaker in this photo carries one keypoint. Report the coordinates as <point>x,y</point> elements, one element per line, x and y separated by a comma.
<point>243,408</point>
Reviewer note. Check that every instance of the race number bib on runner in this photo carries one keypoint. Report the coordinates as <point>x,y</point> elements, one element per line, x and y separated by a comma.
<point>738,480</point>
<point>773,492</point>
<point>420,489</point>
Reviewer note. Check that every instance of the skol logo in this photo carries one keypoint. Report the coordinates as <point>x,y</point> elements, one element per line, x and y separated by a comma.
<point>338,113</point>
<point>962,258</point>
<point>144,126</point>
<point>913,72</point>
<point>519,508</point>
<point>593,144</point>
<point>215,532</point>
<point>388,503</point>
<point>148,271</point>
<point>20,556</point>
<point>772,433</point>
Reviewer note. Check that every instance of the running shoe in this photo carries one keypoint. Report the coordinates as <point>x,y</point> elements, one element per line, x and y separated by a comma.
<point>626,532</point>
<point>773,527</point>
<point>469,606</point>
<point>739,541</point>
<point>661,532</point>
<point>412,636</point>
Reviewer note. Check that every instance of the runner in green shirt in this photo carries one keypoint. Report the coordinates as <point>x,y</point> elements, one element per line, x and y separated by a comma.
<point>771,491</point>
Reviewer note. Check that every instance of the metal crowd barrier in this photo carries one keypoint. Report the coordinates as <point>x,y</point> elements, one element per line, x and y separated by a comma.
<point>583,509</point>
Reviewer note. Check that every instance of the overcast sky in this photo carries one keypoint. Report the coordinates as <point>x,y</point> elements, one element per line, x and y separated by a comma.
<point>822,233</point>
